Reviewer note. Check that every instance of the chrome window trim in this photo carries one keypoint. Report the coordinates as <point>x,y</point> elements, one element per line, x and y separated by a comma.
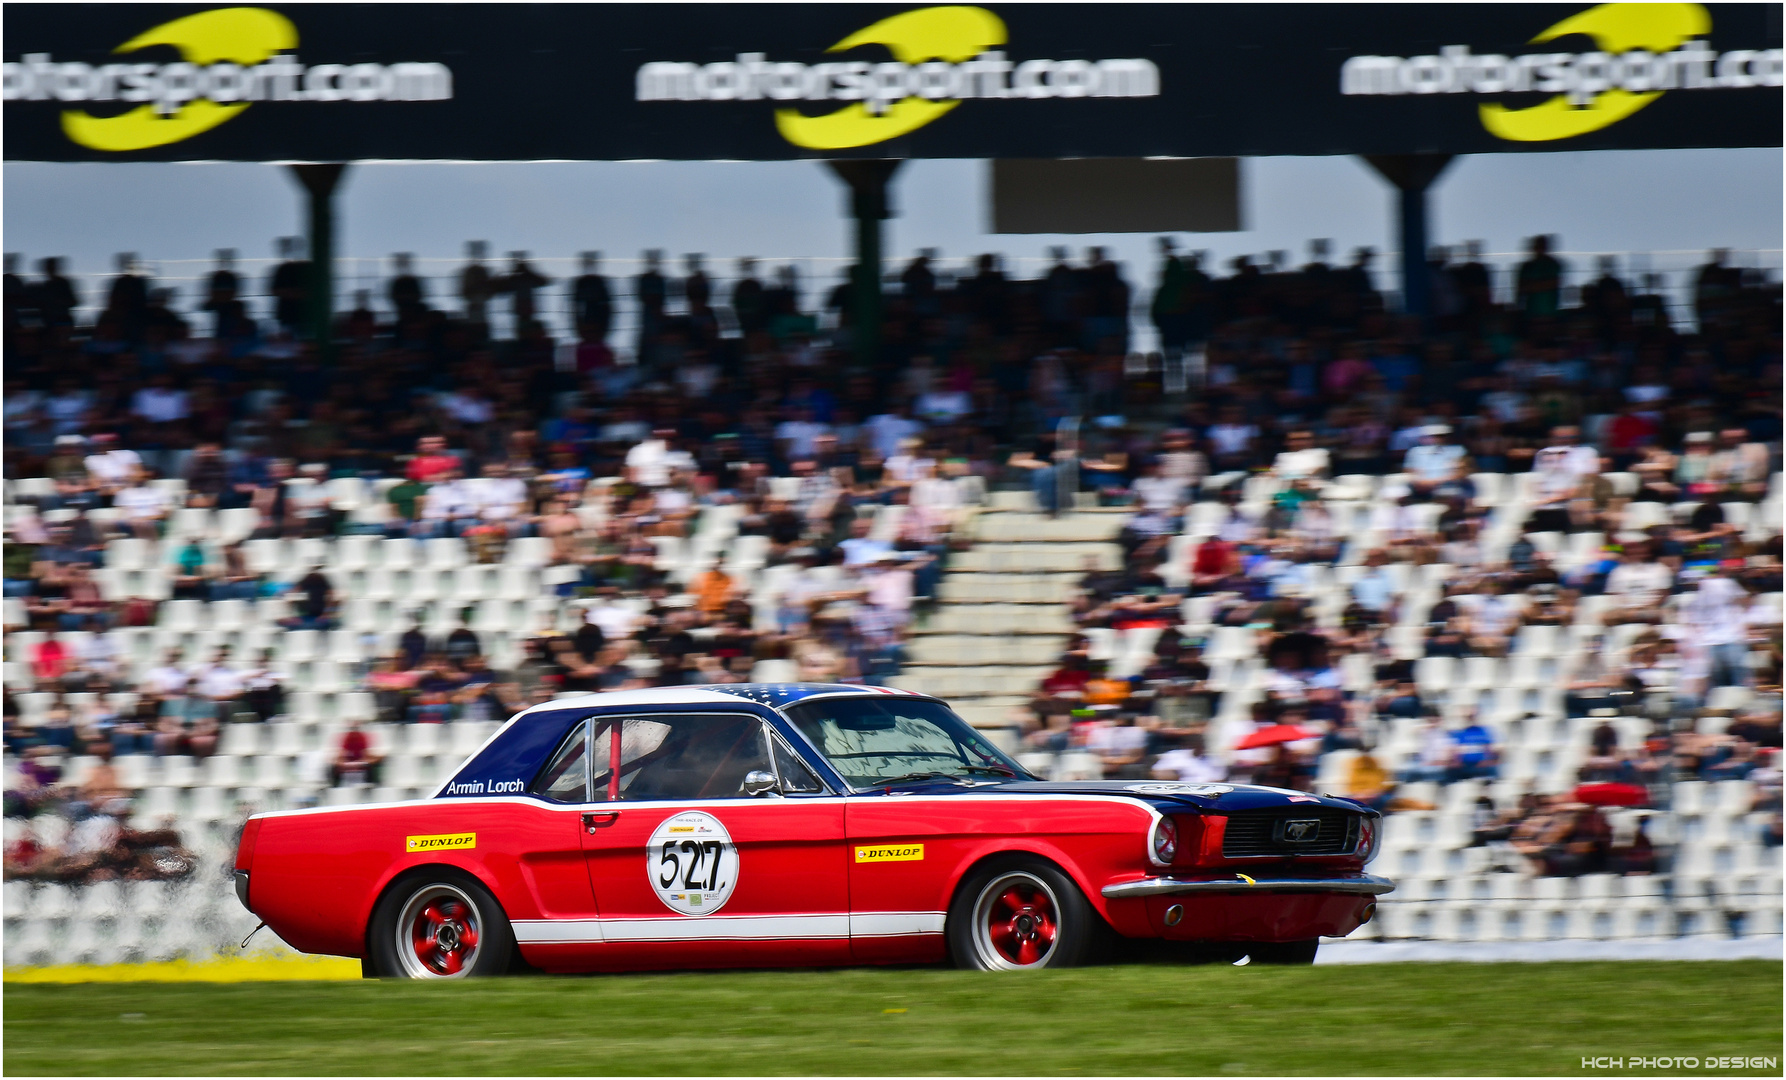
<point>588,723</point>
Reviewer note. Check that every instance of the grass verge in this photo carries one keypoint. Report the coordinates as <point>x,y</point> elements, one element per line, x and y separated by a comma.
<point>1396,1019</point>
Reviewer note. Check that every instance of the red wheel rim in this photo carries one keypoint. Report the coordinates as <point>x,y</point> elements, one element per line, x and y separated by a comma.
<point>1017,921</point>
<point>438,934</point>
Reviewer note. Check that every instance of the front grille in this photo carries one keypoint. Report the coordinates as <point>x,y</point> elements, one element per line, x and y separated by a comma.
<point>1274,833</point>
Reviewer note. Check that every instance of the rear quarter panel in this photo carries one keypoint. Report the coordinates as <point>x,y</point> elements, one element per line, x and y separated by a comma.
<point>316,875</point>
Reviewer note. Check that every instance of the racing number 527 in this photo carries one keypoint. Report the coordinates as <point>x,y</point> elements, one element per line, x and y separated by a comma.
<point>699,852</point>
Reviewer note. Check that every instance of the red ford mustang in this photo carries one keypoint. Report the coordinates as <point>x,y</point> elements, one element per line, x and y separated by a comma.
<point>775,825</point>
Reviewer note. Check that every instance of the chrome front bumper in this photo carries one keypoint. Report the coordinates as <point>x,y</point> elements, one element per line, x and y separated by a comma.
<point>1362,884</point>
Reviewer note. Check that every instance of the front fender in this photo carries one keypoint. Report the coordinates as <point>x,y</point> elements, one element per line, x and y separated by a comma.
<point>1091,875</point>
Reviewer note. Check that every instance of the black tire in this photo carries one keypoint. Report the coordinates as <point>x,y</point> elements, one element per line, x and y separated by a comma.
<point>1285,952</point>
<point>439,904</point>
<point>1021,912</point>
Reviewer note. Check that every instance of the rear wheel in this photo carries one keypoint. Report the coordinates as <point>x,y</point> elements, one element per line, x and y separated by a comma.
<point>1284,952</point>
<point>1019,913</point>
<point>440,924</point>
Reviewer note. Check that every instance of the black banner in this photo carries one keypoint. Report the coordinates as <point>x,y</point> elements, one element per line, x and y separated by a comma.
<point>341,82</point>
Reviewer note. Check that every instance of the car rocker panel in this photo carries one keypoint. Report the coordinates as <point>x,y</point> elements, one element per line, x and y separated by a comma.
<point>802,824</point>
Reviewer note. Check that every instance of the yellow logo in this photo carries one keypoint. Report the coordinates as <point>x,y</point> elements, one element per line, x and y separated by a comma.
<point>897,853</point>
<point>445,842</point>
<point>1640,51</point>
<point>942,57</point>
<point>1619,30</point>
<point>951,34</point>
<point>241,37</point>
<point>229,59</point>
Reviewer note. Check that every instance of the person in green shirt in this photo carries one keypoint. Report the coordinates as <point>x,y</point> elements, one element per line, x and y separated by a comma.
<point>190,581</point>
<point>403,498</point>
<point>1540,280</point>
<point>19,558</point>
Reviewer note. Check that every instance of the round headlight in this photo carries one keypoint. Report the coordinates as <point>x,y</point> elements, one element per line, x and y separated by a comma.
<point>1165,841</point>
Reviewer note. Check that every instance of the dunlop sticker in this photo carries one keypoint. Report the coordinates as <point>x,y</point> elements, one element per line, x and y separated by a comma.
<point>441,843</point>
<point>891,853</point>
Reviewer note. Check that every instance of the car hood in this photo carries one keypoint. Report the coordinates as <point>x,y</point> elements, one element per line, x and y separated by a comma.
<point>1166,794</point>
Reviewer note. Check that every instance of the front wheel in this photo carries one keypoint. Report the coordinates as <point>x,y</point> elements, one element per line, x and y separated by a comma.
<point>439,924</point>
<point>1285,952</point>
<point>1019,913</point>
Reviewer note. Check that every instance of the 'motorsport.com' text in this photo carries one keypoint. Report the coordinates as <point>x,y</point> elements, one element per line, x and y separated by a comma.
<point>1580,76</point>
<point>989,75</point>
<point>170,86</point>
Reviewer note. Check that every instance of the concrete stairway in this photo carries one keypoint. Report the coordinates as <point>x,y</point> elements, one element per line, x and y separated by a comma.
<point>1003,617</point>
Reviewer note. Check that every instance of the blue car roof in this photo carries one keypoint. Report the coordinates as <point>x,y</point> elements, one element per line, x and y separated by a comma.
<point>511,758</point>
<point>780,695</point>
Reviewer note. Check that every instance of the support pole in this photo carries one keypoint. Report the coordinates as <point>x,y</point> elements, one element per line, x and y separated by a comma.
<point>1412,174</point>
<point>869,205</point>
<point>320,182</point>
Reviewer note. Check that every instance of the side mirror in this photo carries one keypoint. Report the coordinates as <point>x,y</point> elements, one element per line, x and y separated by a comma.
<point>757,782</point>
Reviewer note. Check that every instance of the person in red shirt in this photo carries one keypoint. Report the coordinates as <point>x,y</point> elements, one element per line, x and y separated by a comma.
<point>1212,562</point>
<point>49,661</point>
<point>1627,434</point>
<point>431,460</point>
<point>1070,678</point>
<point>355,762</point>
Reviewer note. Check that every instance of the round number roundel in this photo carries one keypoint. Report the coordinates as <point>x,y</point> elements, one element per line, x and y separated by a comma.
<point>692,864</point>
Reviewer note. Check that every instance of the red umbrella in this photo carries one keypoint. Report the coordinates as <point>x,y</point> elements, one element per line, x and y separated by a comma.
<point>1612,795</point>
<point>1273,735</point>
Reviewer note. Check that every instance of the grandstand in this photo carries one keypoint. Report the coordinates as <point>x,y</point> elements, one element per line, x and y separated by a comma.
<point>1484,597</point>
<point>1003,620</point>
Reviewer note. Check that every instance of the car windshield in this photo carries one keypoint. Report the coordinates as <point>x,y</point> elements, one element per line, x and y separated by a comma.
<point>874,741</point>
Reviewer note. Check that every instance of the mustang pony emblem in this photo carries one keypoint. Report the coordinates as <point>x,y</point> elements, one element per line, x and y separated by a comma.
<point>1302,831</point>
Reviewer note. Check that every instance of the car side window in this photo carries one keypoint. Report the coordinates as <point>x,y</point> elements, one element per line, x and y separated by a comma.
<point>566,777</point>
<point>694,757</point>
<point>796,778</point>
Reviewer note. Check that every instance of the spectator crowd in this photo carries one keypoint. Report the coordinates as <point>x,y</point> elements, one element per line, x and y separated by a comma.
<point>1315,480</point>
<point>1576,496</point>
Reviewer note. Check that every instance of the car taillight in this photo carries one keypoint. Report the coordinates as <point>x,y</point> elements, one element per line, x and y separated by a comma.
<point>1367,838</point>
<point>1163,846</point>
<point>245,848</point>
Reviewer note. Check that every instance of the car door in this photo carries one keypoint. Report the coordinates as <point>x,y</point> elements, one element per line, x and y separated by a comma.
<point>562,933</point>
<point>690,868</point>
